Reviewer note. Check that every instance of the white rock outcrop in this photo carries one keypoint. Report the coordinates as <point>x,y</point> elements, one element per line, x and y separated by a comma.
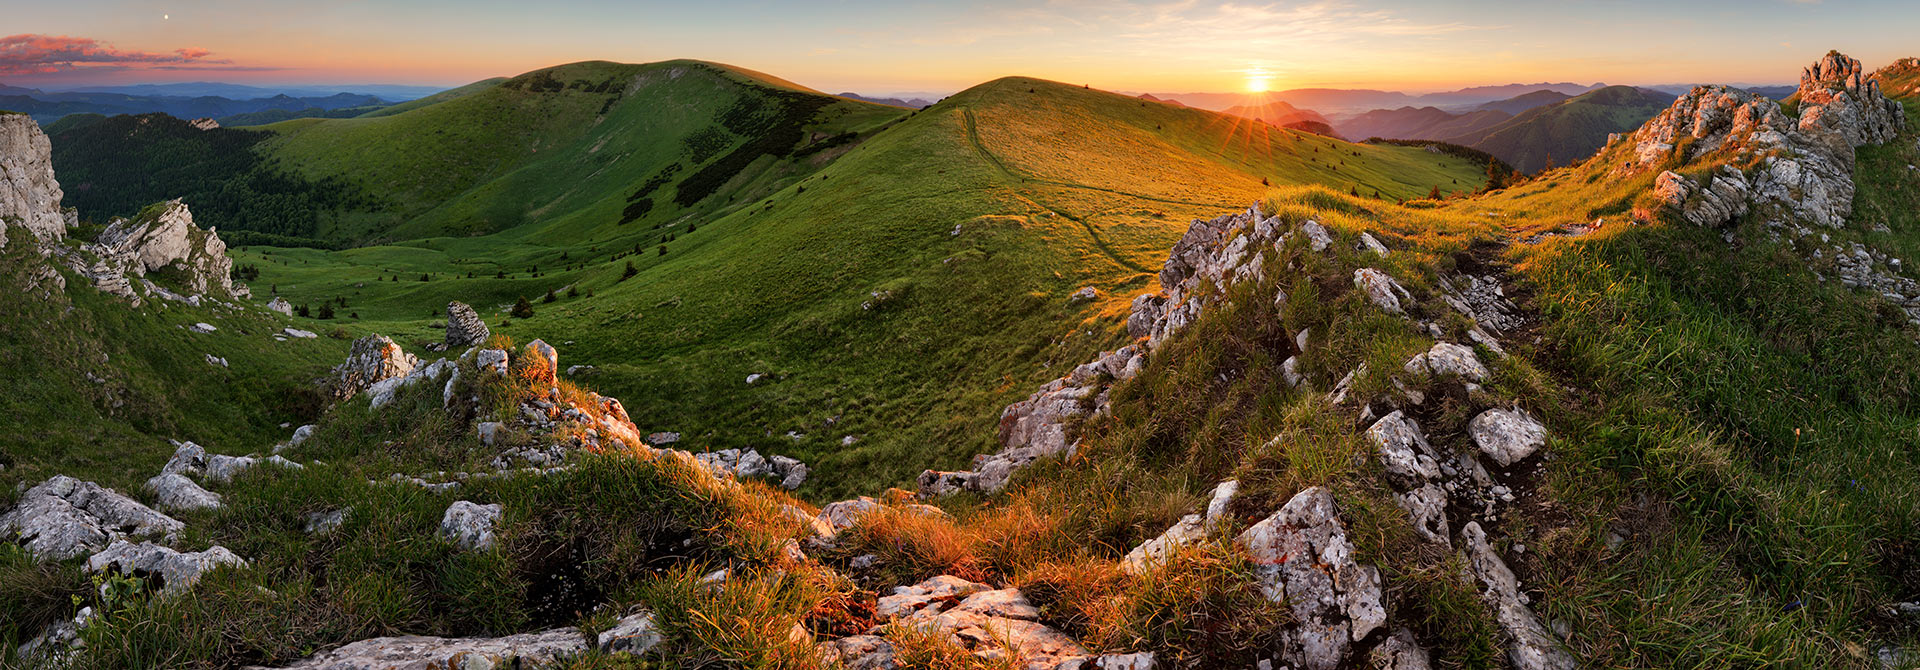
<point>29,195</point>
<point>63,518</point>
<point>1303,558</point>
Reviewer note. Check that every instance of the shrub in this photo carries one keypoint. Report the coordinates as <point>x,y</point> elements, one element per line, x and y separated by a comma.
<point>521,309</point>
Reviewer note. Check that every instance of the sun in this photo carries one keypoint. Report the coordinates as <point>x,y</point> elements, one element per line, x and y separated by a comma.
<point>1258,78</point>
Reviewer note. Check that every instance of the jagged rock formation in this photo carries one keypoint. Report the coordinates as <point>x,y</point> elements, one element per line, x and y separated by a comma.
<point>1303,559</point>
<point>527,650</point>
<point>29,195</point>
<point>160,237</point>
<point>64,517</point>
<point>464,327</point>
<point>373,359</point>
<point>1836,95</point>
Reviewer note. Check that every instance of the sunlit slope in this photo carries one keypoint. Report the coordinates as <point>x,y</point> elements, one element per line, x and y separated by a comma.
<point>899,296</point>
<point>554,141</point>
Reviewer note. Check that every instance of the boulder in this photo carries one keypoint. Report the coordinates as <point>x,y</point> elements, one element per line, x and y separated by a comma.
<point>63,517</point>
<point>491,360</point>
<point>527,650</point>
<point>1085,294</point>
<point>279,304</point>
<point>1507,435</point>
<point>1303,558</point>
<point>176,571</point>
<point>859,652</point>
<point>1837,96</point>
<point>1381,290</point>
<point>164,236</point>
<point>470,525</point>
<point>464,327</point>
<point>1447,358</point>
<point>1403,449</point>
<point>1400,652</point>
<point>382,393</point>
<point>1187,530</point>
<point>372,359</point>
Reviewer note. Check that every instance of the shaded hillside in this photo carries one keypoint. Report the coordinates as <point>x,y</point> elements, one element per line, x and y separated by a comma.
<point>1276,113</point>
<point>1423,123</point>
<point>1522,103</point>
<point>46,107</point>
<point>1568,131</point>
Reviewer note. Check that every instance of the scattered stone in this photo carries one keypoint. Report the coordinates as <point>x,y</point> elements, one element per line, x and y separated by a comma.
<point>662,439</point>
<point>489,431</point>
<point>279,304</point>
<point>1400,652</point>
<point>1085,294</point>
<point>382,393</point>
<point>216,360</point>
<point>302,334</point>
<point>1381,289</point>
<point>1368,243</point>
<point>55,647</point>
<point>470,525</point>
<point>325,522</point>
<point>1447,358</point>
<point>1187,530</point>
<point>491,360</point>
<point>373,359</point>
<point>177,571</point>
<point>860,652</point>
<point>63,518</point>
<point>202,328</point>
<point>1509,436</point>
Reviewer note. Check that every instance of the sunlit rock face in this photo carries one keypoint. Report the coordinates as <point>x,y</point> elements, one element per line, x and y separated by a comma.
<point>29,195</point>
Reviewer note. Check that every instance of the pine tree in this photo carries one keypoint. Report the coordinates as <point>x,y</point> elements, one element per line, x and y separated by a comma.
<point>549,297</point>
<point>522,309</point>
<point>1434,194</point>
<point>629,272</point>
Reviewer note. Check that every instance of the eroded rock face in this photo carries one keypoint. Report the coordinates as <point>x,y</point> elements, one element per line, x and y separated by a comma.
<point>373,359</point>
<point>29,195</point>
<point>992,623</point>
<point>527,650</point>
<point>1836,95</point>
<point>1187,530</point>
<point>164,236</point>
<point>64,517</point>
<point>1305,560</point>
<point>464,327</point>
<point>470,525</point>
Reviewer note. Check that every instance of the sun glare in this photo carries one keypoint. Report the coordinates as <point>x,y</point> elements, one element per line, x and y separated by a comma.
<point>1258,79</point>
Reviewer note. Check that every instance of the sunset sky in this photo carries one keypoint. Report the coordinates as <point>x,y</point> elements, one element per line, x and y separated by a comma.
<point>887,46</point>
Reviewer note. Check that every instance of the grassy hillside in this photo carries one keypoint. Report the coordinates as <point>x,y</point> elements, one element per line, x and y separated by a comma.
<point>962,229</point>
<point>1568,131</point>
<point>1422,123</point>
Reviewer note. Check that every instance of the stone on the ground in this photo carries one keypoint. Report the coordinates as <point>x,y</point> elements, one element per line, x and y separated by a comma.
<point>1381,290</point>
<point>325,522</point>
<point>1085,294</point>
<point>372,359</point>
<point>280,305</point>
<point>302,334</point>
<point>222,468</point>
<point>1530,646</point>
<point>176,570</point>
<point>1447,358</point>
<point>490,431</point>
<point>1303,558</point>
<point>1409,460</point>
<point>63,518</point>
<point>491,360</point>
<point>177,493</point>
<point>527,650</point>
<point>859,652</point>
<point>1400,652</point>
<point>1187,530</point>
<point>1507,435</point>
<point>1368,243</point>
<point>634,634</point>
<point>470,525</point>
<point>464,327</point>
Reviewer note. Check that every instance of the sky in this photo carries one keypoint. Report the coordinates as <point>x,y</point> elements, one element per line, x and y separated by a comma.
<point>891,46</point>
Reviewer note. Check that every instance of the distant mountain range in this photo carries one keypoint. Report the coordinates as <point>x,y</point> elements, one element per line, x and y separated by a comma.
<point>391,92</point>
<point>1529,131</point>
<point>48,106</point>
<point>909,103</point>
<point>1351,101</point>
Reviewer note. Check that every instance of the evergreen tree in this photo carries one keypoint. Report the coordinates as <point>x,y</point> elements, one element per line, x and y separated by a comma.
<point>549,297</point>
<point>629,272</point>
<point>1434,194</point>
<point>522,309</point>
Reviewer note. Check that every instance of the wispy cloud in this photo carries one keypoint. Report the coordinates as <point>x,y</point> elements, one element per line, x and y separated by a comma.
<point>47,54</point>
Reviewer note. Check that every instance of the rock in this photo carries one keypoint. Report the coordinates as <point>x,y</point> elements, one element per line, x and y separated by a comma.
<point>188,459</point>
<point>63,517</point>
<point>216,361</point>
<point>1290,372</point>
<point>1482,299</point>
<point>846,513</point>
<point>279,304</point>
<point>489,431</point>
<point>202,328</point>
<point>860,652</point>
<point>1837,96</point>
<point>470,525</point>
<point>935,593</point>
<point>1447,358</point>
<point>164,236</point>
<point>1318,237</point>
<point>578,370</point>
<point>992,623</point>
<point>1509,436</point>
<point>1530,646</point>
<point>546,354</point>
<point>1400,652</point>
<point>1085,294</point>
<point>491,360</point>
<point>464,327</point>
<point>222,469</point>
<point>176,571</point>
<point>1367,242</point>
<point>662,439</point>
<point>1381,289</point>
<point>372,359</point>
<point>1303,558</point>
<point>177,493</point>
<point>54,647</point>
<point>302,334</point>
<point>1135,661</point>
<point>382,393</point>
<point>791,471</point>
<point>634,634</point>
<point>325,522</point>
<point>1404,451</point>
<point>1187,530</point>
<point>527,650</point>
<point>29,194</point>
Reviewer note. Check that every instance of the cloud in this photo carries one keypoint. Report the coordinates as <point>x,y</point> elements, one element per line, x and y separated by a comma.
<point>46,54</point>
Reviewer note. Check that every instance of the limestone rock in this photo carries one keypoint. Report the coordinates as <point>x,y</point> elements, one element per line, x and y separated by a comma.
<point>1837,96</point>
<point>177,493</point>
<point>1507,435</point>
<point>1189,529</point>
<point>1530,646</point>
<point>491,360</point>
<point>470,525</point>
<point>279,304</point>
<point>164,236</point>
<point>55,646</point>
<point>1304,559</point>
<point>29,194</point>
<point>1404,451</point>
<point>634,634</point>
<point>1381,290</point>
<point>789,472</point>
<point>381,393</point>
<point>527,650</point>
<point>993,623</point>
<point>373,359</point>
<point>63,517</point>
<point>1085,294</point>
<point>859,652</point>
<point>1400,652</point>
<point>1447,358</point>
<point>177,571</point>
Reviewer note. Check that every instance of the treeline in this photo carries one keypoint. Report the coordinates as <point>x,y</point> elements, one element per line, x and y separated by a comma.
<point>113,166</point>
<point>773,121</point>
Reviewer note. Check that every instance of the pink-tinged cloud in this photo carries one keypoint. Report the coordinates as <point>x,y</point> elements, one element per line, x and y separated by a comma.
<point>44,54</point>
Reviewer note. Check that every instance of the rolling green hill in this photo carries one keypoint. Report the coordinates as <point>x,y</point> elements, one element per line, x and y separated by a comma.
<point>898,290</point>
